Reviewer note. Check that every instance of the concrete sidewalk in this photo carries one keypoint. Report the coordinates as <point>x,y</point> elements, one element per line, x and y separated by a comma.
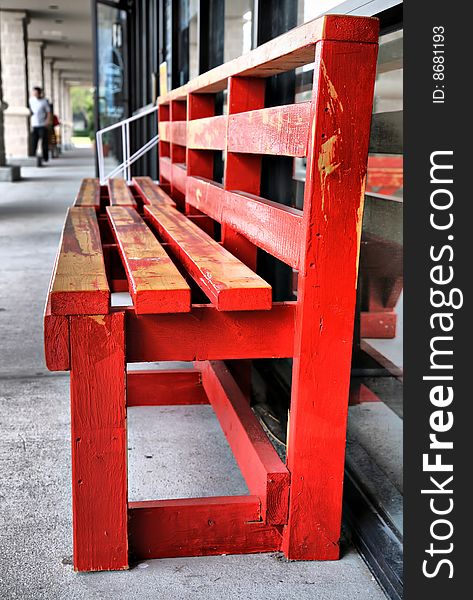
<point>173,451</point>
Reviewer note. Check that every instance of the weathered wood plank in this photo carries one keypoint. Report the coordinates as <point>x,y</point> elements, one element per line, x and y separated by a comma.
<point>199,527</point>
<point>119,193</point>
<point>165,388</point>
<point>179,132</point>
<point>79,283</point>
<point>227,282</point>
<point>89,193</point>
<point>208,133</point>
<point>275,228</point>
<point>289,51</point>
<point>155,284</point>
<point>99,450</point>
<point>264,473</point>
<point>150,192</point>
<point>280,130</point>
<point>208,334</point>
<point>164,130</point>
<point>333,214</point>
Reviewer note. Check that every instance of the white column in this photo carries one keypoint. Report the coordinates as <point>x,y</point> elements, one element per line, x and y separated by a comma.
<point>56,90</point>
<point>48,67</point>
<point>35,64</point>
<point>14,80</point>
<point>67,117</point>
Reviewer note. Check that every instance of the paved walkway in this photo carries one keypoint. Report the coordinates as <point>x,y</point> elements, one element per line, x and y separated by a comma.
<point>189,455</point>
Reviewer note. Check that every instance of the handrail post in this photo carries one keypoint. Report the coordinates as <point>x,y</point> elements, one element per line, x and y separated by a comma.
<point>127,159</point>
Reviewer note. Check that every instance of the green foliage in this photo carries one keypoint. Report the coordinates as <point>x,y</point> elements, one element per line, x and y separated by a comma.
<point>83,102</point>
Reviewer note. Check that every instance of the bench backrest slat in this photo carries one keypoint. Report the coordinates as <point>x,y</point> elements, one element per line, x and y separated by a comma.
<point>273,227</point>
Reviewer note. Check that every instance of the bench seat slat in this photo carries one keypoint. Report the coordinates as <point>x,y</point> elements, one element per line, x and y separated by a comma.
<point>89,193</point>
<point>79,284</point>
<point>151,193</point>
<point>273,227</point>
<point>156,285</point>
<point>120,194</point>
<point>227,282</point>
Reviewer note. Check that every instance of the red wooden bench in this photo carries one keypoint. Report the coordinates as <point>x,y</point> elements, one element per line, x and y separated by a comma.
<point>196,298</point>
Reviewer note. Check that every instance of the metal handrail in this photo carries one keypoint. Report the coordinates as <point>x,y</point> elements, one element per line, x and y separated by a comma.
<point>128,159</point>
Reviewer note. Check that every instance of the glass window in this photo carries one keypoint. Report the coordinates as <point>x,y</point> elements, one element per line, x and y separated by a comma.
<point>111,73</point>
<point>238,28</point>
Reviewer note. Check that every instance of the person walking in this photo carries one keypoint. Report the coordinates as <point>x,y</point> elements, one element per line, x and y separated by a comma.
<point>40,121</point>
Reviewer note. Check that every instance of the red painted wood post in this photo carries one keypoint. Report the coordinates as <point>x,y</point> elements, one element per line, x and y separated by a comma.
<point>333,210</point>
<point>164,147</point>
<point>200,163</point>
<point>242,173</point>
<point>99,447</point>
<point>178,151</point>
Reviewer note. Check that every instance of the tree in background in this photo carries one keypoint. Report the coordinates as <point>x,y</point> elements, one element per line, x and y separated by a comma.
<point>83,111</point>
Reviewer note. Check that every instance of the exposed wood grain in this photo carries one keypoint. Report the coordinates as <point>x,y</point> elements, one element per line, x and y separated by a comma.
<point>56,340</point>
<point>79,283</point>
<point>208,133</point>
<point>264,473</point>
<point>280,130</point>
<point>333,211</point>
<point>226,281</point>
<point>289,51</point>
<point>275,228</point>
<point>119,193</point>
<point>199,527</point>
<point>89,193</point>
<point>207,334</point>
<point>164,388</point>
<point>156,286</point>
<point>99,450</point>
<point>150,192</point>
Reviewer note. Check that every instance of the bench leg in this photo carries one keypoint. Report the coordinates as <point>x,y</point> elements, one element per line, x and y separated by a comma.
<point>99,446</point>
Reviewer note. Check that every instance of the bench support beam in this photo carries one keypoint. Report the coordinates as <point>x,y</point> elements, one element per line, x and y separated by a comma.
<point>199,527</point>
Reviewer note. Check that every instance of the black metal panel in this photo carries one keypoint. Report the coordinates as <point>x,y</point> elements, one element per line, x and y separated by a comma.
<point>273,19</point>
<point>387,132</point>
<point>373,536</point>
<point>211,34</point>
<point>143,62</point>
